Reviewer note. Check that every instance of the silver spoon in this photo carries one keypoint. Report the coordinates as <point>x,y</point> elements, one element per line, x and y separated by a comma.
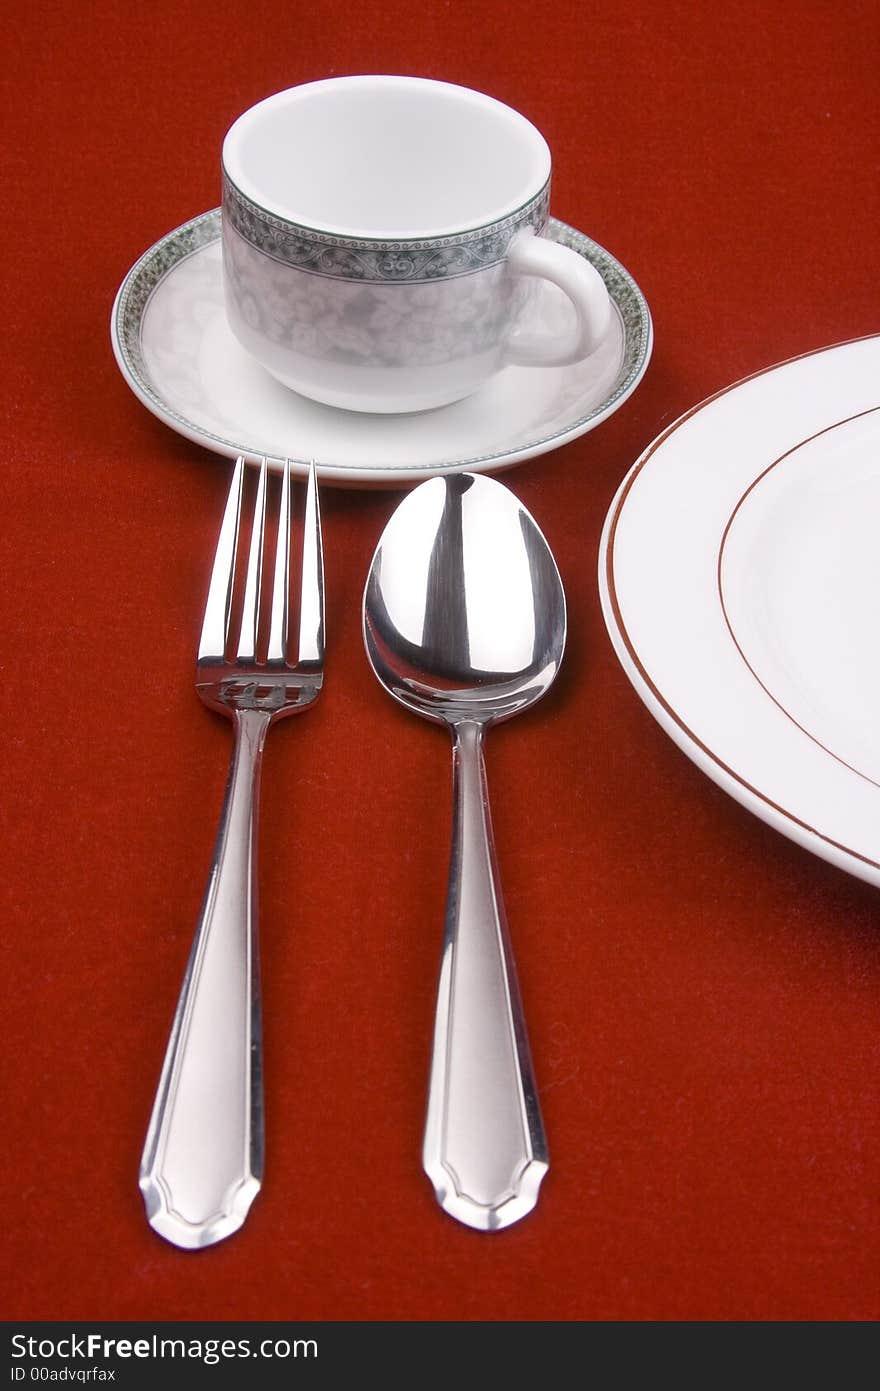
<point>464,623</point>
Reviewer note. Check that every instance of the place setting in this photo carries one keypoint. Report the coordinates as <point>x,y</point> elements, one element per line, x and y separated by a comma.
<point>383,299</point>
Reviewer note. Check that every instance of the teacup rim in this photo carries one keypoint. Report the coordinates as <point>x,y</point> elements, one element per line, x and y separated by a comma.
<point>462,228</point>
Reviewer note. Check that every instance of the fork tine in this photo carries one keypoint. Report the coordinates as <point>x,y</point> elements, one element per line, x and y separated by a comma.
<point>215,626</point>
<point>277,650</point>
<point>250,617</point>
<point>311,613</point>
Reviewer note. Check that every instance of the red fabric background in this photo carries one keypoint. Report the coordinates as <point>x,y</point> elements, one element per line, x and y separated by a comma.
<point>703,996</point>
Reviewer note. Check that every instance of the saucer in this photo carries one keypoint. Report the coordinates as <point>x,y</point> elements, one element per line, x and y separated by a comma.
<point>177,353</point>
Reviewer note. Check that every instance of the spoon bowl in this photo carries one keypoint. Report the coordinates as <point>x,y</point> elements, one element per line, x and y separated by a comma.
<point>464,612</point>
<point>464,623</point>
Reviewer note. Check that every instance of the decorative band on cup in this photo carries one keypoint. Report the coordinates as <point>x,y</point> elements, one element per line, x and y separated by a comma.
<point>369,259</point>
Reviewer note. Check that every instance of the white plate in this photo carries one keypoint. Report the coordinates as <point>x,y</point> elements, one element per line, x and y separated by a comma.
<point>740,579</point>
<point>176,352</point>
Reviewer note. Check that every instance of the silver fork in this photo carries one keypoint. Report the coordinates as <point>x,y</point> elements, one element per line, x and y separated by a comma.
<point>203,1159</point>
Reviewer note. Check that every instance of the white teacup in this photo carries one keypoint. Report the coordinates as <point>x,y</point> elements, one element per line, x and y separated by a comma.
<point>381,238</point>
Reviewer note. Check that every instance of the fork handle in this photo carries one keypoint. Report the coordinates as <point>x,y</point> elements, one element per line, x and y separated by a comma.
<point>203,1159</point>
<point>484,1147</point>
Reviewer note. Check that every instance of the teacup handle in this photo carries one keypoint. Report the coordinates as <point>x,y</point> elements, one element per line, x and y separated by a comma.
<point>583,286</point>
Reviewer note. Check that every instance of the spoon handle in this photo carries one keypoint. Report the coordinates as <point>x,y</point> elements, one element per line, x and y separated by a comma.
<point>484,1150</point>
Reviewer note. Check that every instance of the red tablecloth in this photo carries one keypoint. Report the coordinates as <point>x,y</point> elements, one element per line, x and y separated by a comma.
<point>703,996</point>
